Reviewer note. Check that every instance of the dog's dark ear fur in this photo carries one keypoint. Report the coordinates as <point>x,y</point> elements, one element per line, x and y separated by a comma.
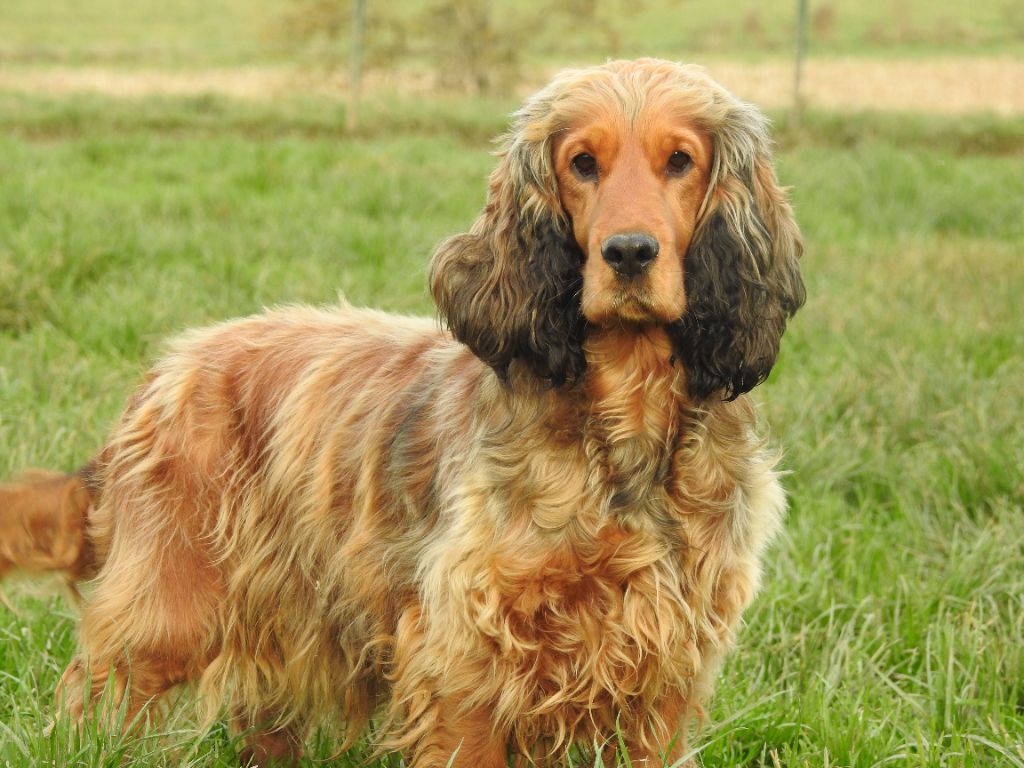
<point>510,288</point>
<point>742,269</point>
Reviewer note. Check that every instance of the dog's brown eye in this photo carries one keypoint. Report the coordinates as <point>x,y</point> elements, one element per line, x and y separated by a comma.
<point>585,165</point>
<point>679,162</point>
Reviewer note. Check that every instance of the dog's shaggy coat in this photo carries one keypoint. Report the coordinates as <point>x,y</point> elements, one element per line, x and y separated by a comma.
<point>527,533</point>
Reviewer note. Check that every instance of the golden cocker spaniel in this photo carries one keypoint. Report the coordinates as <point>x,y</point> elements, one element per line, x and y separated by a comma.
<point>536,530</point>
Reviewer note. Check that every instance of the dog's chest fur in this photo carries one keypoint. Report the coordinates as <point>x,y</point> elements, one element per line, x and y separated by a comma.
<point>584,578</point>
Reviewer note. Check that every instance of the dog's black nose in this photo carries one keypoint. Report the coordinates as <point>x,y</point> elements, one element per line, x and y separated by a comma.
<point>630,253</point>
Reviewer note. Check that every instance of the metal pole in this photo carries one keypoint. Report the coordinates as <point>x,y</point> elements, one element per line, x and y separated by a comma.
<point>355,73</point>
<point>798,69</point>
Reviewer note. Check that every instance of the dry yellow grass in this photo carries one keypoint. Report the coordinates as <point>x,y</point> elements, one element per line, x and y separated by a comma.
<point>942,85</point>
<point>243,83</point>
<point>939,85</point>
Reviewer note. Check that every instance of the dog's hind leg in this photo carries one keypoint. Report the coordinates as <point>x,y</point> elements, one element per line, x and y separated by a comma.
<point>152,622</point>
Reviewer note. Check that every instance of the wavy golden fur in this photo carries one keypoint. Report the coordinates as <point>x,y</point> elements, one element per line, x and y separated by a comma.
<point>525,534</point>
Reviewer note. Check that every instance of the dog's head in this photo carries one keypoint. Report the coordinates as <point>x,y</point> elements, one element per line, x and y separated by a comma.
<point>629,195</point>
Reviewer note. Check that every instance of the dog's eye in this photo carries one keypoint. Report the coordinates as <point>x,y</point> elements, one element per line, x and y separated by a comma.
<point>585,165</point>
<point>678,162</point>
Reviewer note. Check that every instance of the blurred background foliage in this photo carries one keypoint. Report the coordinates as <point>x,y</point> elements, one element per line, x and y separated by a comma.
<point>449,37</point>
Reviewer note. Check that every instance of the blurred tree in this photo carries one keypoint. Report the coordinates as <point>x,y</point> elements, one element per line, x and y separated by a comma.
<point>472,49</point>
<point>323,30</point>
<point>478,46</point>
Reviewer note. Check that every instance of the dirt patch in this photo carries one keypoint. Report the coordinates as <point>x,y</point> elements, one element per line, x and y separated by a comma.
<point>944,85</point>
<point>940,85</point>
<point>248,83</point>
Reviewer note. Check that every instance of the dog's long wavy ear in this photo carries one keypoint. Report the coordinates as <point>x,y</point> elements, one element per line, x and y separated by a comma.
<point>510,288</point>
<point>742,270</point>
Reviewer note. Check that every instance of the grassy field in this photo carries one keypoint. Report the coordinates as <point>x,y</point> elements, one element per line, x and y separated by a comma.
<point>204,33</point>
<point>890,629</point>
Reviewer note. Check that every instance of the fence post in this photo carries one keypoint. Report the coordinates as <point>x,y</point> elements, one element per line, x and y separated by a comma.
<point>798,68</point>
<point>355,70</point>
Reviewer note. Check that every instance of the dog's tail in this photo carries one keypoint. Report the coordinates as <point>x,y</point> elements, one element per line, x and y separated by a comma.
<point>43,517</point>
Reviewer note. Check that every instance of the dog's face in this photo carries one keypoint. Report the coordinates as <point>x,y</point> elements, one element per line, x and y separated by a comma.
<point>632,190</point>
<point>633,194</point>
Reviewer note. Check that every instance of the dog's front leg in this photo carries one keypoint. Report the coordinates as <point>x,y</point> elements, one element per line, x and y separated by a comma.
<point>461,740</point>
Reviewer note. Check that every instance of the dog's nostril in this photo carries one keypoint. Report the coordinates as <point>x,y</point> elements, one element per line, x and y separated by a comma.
<point>629,254</point>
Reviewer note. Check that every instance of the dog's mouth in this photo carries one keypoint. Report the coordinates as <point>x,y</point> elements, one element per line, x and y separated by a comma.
<point>652,297</point>
<point>635,302</point>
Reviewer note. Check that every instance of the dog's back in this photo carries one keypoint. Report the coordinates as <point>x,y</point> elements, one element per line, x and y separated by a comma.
<point>224,383</point>
<point>222,497</point>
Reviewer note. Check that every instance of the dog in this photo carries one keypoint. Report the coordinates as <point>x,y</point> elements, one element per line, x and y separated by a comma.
<point>532,528</point>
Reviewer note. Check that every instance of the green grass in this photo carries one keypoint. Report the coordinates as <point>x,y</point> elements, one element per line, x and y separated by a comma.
<point>890,629</point>
<point>153,32</point>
